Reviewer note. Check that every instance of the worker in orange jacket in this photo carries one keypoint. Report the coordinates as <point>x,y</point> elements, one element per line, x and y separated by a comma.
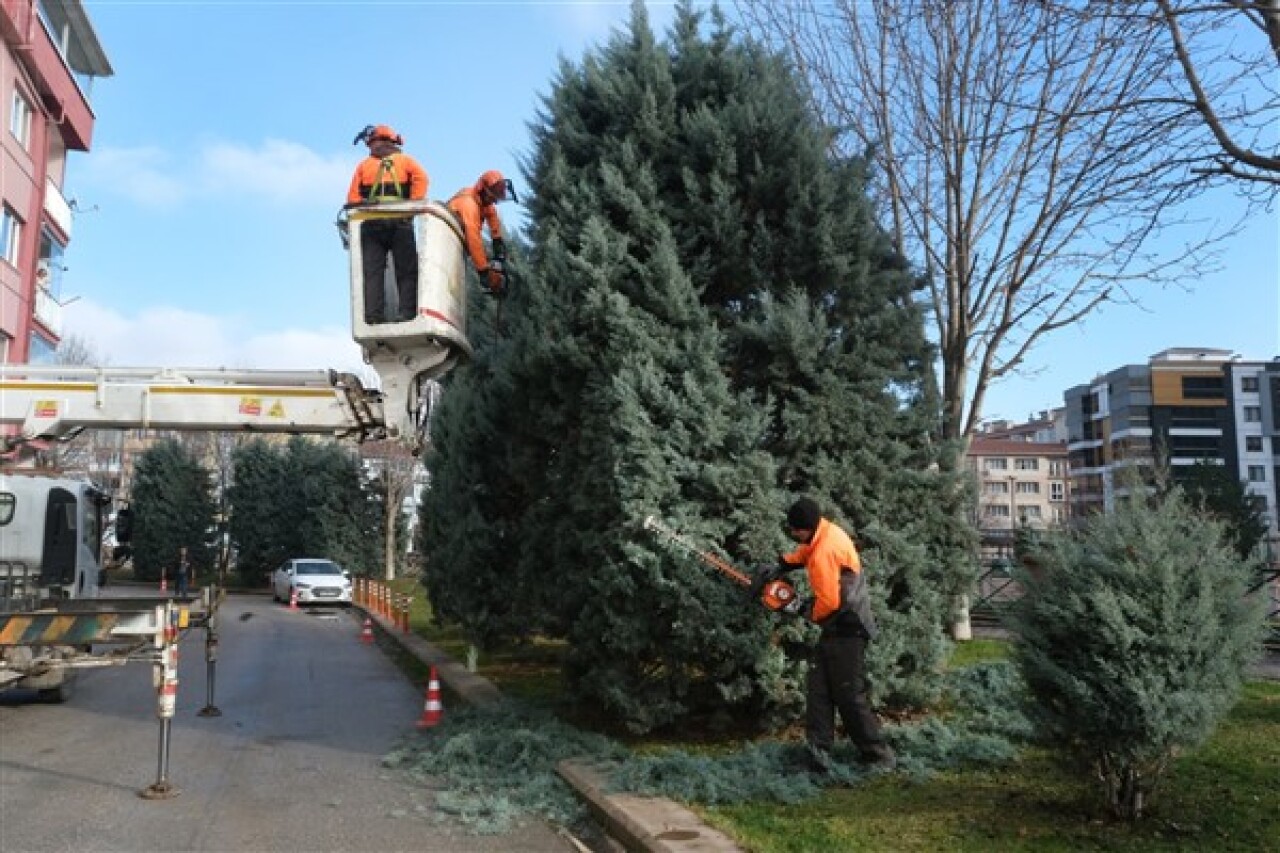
<point>387,175</point>
<point>841,606</point>
<point>475,207</point>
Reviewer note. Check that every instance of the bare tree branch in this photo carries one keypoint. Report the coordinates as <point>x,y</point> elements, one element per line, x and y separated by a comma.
<point>1239,160</point>
<point>1034,158</point>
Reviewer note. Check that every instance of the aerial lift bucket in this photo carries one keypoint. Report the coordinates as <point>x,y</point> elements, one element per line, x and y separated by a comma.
<point>409,354</point>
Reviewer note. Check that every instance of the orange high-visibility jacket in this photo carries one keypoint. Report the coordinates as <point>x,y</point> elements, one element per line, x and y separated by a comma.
<point>404,179</point>
<point>466,205</point>
<point>830,552</point>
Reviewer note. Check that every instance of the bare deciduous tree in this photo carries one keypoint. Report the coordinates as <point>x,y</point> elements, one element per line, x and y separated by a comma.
<point>1229,53</point>
<point>394,468</point>
<point>95,452</point>
<point>1032,162</point>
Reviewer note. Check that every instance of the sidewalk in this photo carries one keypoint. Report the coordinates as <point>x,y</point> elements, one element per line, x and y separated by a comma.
<point>646,824</point>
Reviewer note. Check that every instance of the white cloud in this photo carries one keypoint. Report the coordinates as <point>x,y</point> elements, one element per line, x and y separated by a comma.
<point>175,338</point>
<point>276,172</point>
<point>142,174</point>
<point>279,171</point>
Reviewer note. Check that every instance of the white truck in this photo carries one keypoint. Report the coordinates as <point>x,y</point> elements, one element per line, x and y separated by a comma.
<point>50,531</point>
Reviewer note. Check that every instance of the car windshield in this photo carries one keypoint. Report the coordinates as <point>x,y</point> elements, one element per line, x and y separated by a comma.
<point>317,567</point>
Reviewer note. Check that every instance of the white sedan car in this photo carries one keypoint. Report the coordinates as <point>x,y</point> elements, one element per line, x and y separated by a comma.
<point>317,581</point>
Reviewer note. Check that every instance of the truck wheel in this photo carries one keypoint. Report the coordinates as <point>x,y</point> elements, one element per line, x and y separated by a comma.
<point>55,695</point>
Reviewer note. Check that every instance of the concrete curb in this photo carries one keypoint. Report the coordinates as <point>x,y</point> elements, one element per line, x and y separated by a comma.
<point>643,824</point>
<point>648,824</point>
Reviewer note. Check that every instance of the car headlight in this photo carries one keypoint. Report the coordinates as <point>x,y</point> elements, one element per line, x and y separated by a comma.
<point>303,585</point>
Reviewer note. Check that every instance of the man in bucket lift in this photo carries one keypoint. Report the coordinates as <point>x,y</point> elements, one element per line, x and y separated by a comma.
<point>476,206</point>
<point>387,175</point>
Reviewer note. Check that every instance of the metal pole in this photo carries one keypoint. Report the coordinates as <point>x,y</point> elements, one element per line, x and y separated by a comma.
<point>166,678</point>
<point>211,660</point>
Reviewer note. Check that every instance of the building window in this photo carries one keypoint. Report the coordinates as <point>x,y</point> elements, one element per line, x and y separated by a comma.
<point>1024,464</point>
<point>49,267</point>
<point>1055,468</point>
<point>1057,492</point>
<point>1253,414</point>
<point>42,351</point>
<point>1249,383</point>
<point>1028,488</point>
<point>1202,388</point>
<point>10,236</point>
<point>1029,513</point>
<point>998,488</point>
<point>995,464</point>
<point>997,511</point>
<point>20,120</point>
<point>1193,417</point>
<point>1253,443</point>
<point>1257,473</point>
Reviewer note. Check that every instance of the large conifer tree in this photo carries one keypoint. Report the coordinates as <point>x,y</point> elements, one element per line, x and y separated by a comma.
<point>172,506</point>
<point>713,324</point>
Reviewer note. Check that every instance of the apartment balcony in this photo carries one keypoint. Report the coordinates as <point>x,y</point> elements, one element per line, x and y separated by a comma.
<point>48,312</point>
<point>59,52</point>
<point>57,208</point>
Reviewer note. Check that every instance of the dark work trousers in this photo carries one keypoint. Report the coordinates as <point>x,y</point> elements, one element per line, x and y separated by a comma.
<point>378,238</point>
<point>838,681</point>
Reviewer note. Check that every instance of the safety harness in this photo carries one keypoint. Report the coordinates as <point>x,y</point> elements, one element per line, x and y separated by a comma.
<point>378,189</point>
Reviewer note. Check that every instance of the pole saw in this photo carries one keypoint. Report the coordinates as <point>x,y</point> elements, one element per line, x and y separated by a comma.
<point>776,595</point>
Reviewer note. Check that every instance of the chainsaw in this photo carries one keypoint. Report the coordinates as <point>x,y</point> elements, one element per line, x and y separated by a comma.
<point>776,595</point>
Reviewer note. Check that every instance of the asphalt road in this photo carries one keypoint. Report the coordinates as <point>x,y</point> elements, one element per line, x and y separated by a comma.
<point>293,763</point>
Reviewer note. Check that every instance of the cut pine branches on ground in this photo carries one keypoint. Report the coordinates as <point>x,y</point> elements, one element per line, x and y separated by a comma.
<point>1216,798</point>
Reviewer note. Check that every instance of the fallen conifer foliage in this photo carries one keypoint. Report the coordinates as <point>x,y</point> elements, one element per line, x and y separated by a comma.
<point>497,765</point>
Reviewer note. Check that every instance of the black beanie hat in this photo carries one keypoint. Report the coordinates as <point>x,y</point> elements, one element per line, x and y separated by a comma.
<point>803,515</point>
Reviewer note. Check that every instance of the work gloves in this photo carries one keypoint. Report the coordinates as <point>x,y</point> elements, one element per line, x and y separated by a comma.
<point>763,575</point>
<point>760,576</point>
<point>496,279</point>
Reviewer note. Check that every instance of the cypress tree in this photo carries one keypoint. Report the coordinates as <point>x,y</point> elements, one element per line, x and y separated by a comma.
<point>714,324</point>
<point>1134,638</point>
<point>173,506</point>
<point>259,523</point>
<point>307,499</point>
<point>333,512</point>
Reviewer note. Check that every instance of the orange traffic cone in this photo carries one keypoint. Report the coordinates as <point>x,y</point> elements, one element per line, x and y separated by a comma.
<point>366,633</point>
<point>433,708</point>
<point>293,598</point>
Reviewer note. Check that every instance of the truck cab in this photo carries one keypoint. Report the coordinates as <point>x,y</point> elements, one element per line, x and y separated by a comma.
<point>50,535</point>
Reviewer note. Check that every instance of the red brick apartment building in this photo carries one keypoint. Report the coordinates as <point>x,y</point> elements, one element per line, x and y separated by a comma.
<point>50,59</point>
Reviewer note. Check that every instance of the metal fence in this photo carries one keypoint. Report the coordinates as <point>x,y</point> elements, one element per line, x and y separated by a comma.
<point>997,589</point>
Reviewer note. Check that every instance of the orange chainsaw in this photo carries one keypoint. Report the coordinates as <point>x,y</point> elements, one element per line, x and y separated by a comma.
<point>777,595</point>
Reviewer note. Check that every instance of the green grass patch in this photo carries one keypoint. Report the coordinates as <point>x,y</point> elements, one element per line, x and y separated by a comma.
<point>1219,798</point>
<point>1222,797</point>
<point>529,670</point>
<point>969,652</point>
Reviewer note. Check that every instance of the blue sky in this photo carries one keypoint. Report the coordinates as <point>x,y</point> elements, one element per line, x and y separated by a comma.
<point>222,152</point>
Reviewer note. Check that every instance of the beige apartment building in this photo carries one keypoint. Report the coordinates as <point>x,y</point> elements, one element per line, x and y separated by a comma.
<point>1020,483</point>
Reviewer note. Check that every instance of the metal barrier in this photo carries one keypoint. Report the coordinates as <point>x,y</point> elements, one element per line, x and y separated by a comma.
<point>1269,576</point>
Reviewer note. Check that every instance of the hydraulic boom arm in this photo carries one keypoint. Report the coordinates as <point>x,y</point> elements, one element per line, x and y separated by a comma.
<point>57,402</point>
